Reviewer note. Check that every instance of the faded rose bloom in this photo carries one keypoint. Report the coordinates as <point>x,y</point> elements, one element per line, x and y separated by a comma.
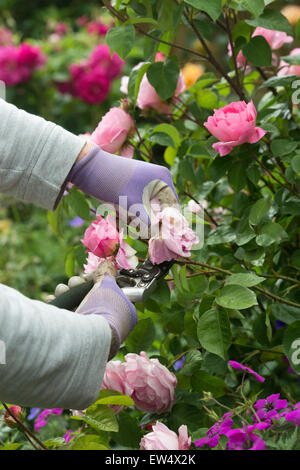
<point>153,385</point>
<point>113,130</point>
<point>234,125</point>
<point>292,13</point>
<point>191,73</point>
<point>115,379</point>
<point>102,238</point>
<point>17,412</point>
<point>174,238</point>
<point>162,438</point>
<point>287,69</point>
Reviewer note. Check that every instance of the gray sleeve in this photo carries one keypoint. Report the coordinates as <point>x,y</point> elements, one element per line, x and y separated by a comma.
<point>36,156</point>
<point>49,357</point>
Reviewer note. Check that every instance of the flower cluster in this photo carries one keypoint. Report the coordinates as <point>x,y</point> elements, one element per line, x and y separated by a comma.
<point>17,63</point>
<point>150,384</point>
<point>91,78</point>
<point>103,241</point>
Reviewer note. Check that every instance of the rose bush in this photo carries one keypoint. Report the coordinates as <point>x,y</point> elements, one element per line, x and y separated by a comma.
<point>221,335</point>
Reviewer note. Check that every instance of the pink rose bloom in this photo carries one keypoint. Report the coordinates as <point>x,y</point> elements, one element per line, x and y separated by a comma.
<point>162,438</point>
<point>31,56</point>
<point>102,238</point>
<point>193,207</point>
<point>93,87</point>
<point>61,28</point>
<point>97,27</point>
<point>290,69</point>
<point>240,58</point>
<point>153,385</point>
<point>234,125</point>
<point>276,39</point>
<point>113,130</point>
<point>10,72</point>
<point>115,379</point>
<point>174,239</point>
<point>149,99</point>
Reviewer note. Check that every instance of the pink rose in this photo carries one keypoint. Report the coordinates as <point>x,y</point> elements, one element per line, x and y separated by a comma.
<point>15,411</point>
<point>10,72</point>
<point>153,385</point>
<point>101,59</point>
<point>98,28</point>
<point>162,438</point>
<point>30,56</point>
<point>290,69</point>
<point>113,130</point>
<point>276,39</point>
<point>92,86</point>
<point>102,238</point>
<point>115,379</point>
<point>174,238</point>
<point>234,125</point>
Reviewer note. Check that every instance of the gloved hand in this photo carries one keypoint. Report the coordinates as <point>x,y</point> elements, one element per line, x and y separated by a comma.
<point>107,177</point>
<point>106,299</point>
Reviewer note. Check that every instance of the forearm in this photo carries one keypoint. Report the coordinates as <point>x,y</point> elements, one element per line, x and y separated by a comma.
<point>36,156</point>
<point>54,358</point>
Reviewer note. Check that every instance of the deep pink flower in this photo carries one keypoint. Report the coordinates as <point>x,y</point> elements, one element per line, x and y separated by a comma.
<point>241,439</point>
<point>267,409</point>
<point>113,130</point>
<point>30,56</point>
<point>68,436</point>
<point>233,125</point>
<point>110,65</point>
<point>162,438</point>
<point>10,71</point>
<point>102,238</point>
<point>43,417</point>
<point>93,87</point>
<point>97,27</point>
<point>174,237</point>
<point>213,434</point>
<point>238,366</point>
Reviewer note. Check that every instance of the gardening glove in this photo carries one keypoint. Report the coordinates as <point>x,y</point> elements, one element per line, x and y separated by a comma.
<point>106,299</point>
<point>107,177</point>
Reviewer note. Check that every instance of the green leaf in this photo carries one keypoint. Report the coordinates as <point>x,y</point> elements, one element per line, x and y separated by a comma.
<point>192,363</point>
<point>222,234</point>
<point>163,76</point>
<point>78,203</point>
<point>272,19</point>
<point>259,210</point>
<point>111,397</point>
<point>295,163</point>
<point>171,131</point>
<point>202,381</point>
<point>55,220</point>
<point>244,279</point>
<point>214,332</point>
<point>70,262</point>
<point>135,79</point>
<point>207,99</point>
<point>100,418</point>
<point>270,233</point>
<point>291,345</point>
<point>166,14</point>
<point>121,39</point>
<point>89,442</point>
<point>236,297</point>
<point>245,236</point>
<point>185,413</point>
<point>292,59</point>
<point>258,52</point>
<point>237,176</point>
<point>281,147</point>
<point>212,7</point>
<point>279,81</point>
<point>285,313</point>
<point>130,433</point>
<point>141,337</point>
<point>256,7</point>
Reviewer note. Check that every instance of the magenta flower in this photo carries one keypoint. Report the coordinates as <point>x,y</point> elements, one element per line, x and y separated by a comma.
<point>43,417</point>
<point>238,366</point>
<point>267,409</point>
<point>213,434</point>
<point>68,436</point>
<point>242,439</point>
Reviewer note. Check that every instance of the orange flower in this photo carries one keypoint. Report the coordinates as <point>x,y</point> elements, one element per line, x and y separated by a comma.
<point>292,13</point>
<point>191,73</point>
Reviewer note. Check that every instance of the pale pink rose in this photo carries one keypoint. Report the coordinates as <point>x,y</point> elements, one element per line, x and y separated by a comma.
<point>162,438</point>
<point>234,125</point>
<point>113,130</point>
<point>193,207</point>
<point>174,237</point>
<point>275,39</point>
<point>115,379</point>
<point>125,257</point>
<point>290,69</point>
<point>153,385</point>
<point>102,238</point>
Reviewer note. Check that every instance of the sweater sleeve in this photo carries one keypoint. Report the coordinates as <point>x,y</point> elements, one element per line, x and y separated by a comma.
<point>50,357</point>
<point>36,156</point>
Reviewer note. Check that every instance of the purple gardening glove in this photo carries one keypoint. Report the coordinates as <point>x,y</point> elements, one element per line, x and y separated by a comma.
<point>106,299</point>
<point>107,177</point>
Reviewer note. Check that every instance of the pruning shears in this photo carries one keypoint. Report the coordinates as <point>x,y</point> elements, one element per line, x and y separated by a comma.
<point>137,284</point>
